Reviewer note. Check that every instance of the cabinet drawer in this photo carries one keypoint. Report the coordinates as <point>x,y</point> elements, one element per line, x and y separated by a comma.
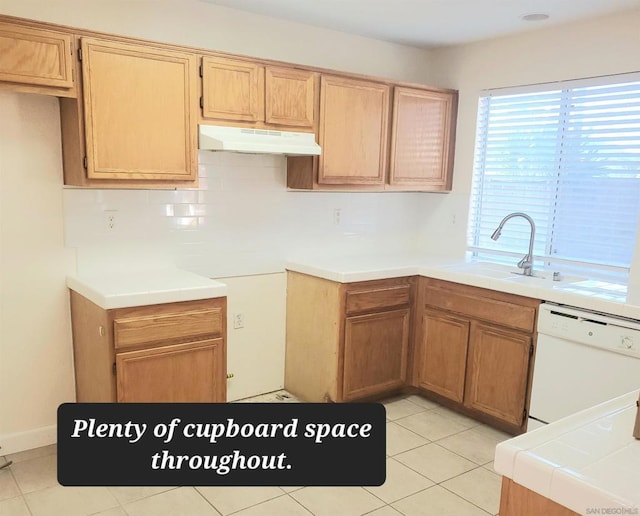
<point>178,326</point>
<point>504,313</point>
<point>384,297</point>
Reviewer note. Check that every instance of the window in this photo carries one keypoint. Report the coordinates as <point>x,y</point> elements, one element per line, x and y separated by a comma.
<point>568,155</point>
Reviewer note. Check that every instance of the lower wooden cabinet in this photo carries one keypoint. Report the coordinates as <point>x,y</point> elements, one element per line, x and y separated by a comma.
<point>347,341</point>
<point>375,353</point>
<point>442,361</point>
<point>498,371</point>
<point>174,352</point>
<point>475,348</point>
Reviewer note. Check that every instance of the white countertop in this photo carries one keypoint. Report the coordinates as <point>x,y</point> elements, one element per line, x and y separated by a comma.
<point>574,291</point>
<point>118,289</point>
<point>588,460</point>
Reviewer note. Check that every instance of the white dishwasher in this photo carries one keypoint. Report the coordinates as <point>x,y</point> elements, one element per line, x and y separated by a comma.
<point>582,358</point>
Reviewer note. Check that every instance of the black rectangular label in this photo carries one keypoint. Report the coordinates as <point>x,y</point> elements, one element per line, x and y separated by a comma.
<point>207,444</point>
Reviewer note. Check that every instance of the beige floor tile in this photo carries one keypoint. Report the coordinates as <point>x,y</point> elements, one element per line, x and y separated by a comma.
<point>431,425</point>
<point>8,486</point>
<point>387,510</point>
<point>476,446</point>
<point>435,463</point>
<point>437,501</point>
<point>400,439</point>
<point>491,467</point>
<point>14,507</point>
<point>70,501</point>
<point>497,435</point>
<point>401,482</point>
<point>281,506</point>
<point>184,501</point>
<point>401,408</point>
<point>116,511</point>
<point>461,419</point>
<point>290,489</point>
<point>331,501</point>
<point>231,499</point>
<point>33,453</point>
<point>478,486</point>
<point>126,495</point>
<point>422,402</point>
<point>35,474</point>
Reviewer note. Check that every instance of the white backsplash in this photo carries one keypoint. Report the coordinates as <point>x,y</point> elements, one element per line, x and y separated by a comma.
<point>241,220</point>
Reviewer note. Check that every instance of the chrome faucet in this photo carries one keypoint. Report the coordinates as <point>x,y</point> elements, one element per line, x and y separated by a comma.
<point>526,264</point>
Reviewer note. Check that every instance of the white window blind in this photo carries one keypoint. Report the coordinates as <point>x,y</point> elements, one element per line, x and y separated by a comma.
<point>568,155</point>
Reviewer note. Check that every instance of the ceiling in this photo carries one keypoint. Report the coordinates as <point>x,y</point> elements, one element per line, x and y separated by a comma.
<point>429,23</point>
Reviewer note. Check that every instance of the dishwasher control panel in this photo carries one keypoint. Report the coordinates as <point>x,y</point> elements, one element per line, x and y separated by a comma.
<point>590,328</point>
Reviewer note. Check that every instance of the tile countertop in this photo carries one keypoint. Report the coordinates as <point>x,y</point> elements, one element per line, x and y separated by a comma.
<point>608,298</point>
<point>585,461</point>
<point>138,288</point>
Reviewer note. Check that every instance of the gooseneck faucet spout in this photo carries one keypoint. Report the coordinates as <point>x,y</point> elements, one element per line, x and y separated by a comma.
<point>526,264</point>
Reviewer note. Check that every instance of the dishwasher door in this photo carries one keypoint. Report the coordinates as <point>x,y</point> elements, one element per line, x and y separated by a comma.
<point>582,359</point>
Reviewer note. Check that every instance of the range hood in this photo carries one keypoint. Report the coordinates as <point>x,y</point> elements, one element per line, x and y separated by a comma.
<point>257,141</point>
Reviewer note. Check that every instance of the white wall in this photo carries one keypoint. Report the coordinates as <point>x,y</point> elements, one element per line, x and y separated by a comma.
<point>200,24</point>
<point>606,45</point>
<point>36,371</point>
<point>240,224</point>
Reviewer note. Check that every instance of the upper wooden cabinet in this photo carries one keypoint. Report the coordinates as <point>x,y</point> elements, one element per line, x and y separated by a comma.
<point>39,58</point>
<point>232,89</point>
<point>353,131</point>
<point>356,137</point>
<point>422,135</point>
<point>137,117</point>
<point>290,97</point>
<point>253,94</point>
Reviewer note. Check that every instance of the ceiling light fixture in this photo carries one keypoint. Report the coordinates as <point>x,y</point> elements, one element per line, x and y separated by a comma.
<point>535,17</point>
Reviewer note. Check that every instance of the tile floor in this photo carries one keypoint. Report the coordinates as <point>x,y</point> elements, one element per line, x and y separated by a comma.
<point>439,463</point>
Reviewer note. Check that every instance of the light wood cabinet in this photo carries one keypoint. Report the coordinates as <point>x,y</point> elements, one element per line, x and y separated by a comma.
<point>232,89</point>
<point>476,350</point>
<point>252,94</point>
<point>422,137</point>
<point>362,149</point>
<point>172,352</point>
<point>347,341</point>
<point>36,60</point>
<point>136,123</point>
<point>353,131</point>
<point>442,363</point>
<point>498,371</point>
<point>291,96</point>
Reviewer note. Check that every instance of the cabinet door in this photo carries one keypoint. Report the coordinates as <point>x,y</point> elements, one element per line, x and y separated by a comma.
<point>353,131</point>
<point>34,56</point>
<point>193,372</point>
<point>375,353</point>
<point>139,108</point>
<point>421,139</point>
<point>232,89</point>
<point>290,97</point>
<point>442,358</point>
<point>498,371</point>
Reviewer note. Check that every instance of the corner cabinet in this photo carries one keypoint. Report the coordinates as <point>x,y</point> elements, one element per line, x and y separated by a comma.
<point>37,60</point>
<point>422,138</point>
<point>136,121</point>
<point>475,349</point>
<point>173,352</point>
<point>347,342</point>
<point>252,94</point>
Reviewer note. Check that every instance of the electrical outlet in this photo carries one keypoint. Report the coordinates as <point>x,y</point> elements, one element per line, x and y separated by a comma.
<point>110,220</point>
<point>238,320</point>
<point>336,216</point>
